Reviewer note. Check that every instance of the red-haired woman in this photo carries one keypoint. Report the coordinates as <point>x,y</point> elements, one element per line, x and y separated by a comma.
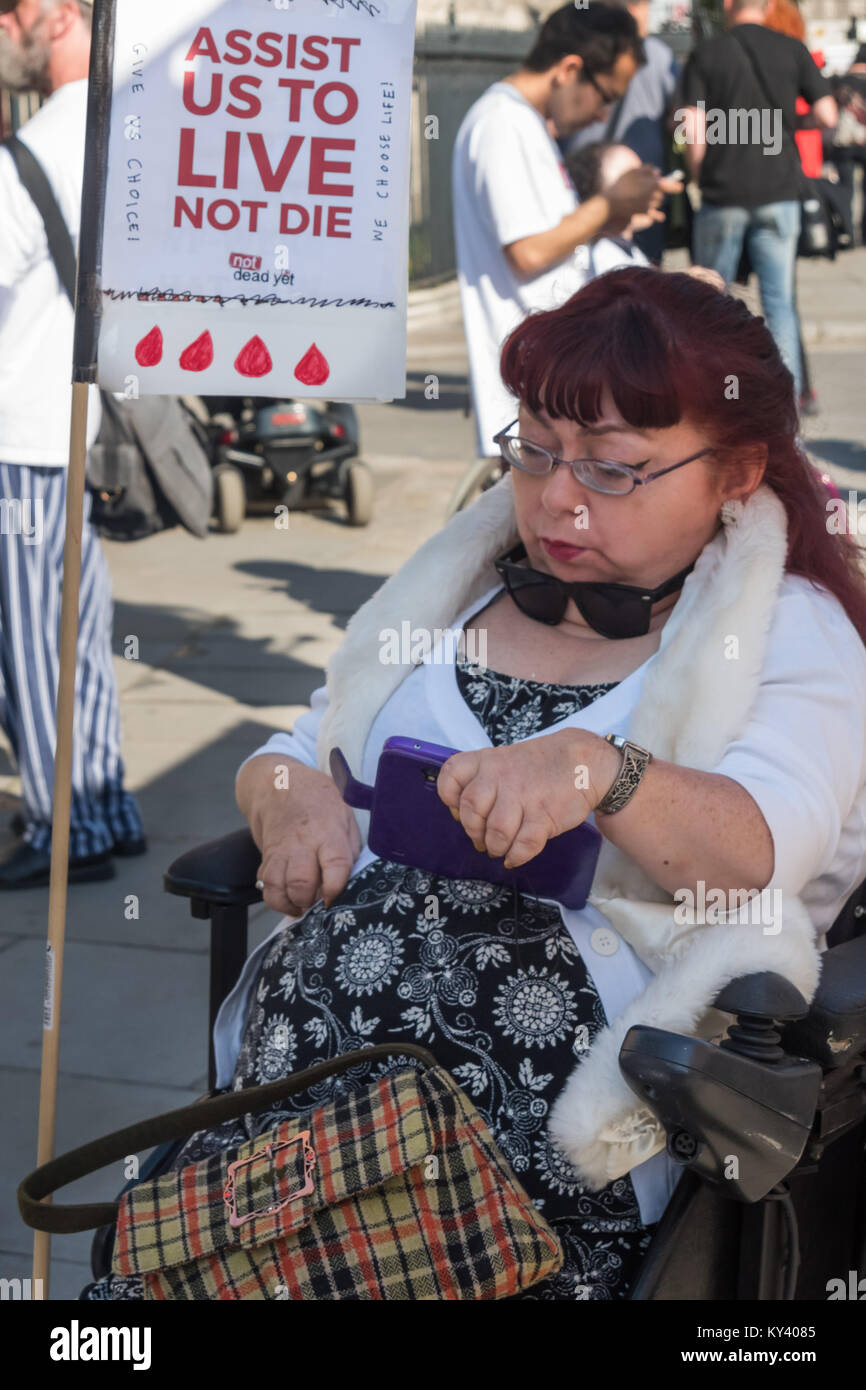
<point>656,566</point>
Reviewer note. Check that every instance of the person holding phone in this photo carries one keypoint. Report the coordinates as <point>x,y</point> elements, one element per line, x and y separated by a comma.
<point>521,235</point>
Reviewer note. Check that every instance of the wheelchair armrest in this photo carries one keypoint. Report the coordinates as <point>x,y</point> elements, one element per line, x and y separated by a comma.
<point>834,1030</point>
<point>219,880</point>
<point>222,871</point>
<point>738,1115</point>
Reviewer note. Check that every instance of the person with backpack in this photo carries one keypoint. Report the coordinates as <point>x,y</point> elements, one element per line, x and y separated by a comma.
<point>45,47</point>
<point>749,174</point>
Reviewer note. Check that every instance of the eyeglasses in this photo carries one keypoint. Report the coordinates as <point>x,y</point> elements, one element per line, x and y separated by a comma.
<point>609,98</point>
<point>601,475</point>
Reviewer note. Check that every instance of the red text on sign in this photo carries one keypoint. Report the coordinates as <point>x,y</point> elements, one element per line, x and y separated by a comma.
<point>272,177</point>
<point>273,50</point>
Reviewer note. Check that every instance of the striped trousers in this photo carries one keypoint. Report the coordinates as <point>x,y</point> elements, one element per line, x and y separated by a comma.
<point>32,532</point>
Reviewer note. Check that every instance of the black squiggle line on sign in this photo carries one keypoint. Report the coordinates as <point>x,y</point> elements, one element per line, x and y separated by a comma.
<point>366,5</point>
<point>187,297</point>
<point>371,10</point>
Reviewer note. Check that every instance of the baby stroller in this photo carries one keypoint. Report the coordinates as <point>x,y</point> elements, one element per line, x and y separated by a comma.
<point>267,452</point>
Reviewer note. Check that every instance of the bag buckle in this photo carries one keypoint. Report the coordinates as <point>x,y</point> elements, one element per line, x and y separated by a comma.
<point>229,1195</point>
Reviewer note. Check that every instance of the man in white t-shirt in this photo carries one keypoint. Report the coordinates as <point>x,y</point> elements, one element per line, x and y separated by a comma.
<point>521,236</point>
<point>45,47</point>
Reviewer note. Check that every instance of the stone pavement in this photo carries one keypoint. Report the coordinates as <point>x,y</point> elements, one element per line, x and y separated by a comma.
<point>234,633</point>
<point>831,297</point>
<point>832,300</point>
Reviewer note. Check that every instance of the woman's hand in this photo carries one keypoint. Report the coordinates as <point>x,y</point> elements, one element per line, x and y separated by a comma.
<point>681,826</point>
<point>512,800</point>
<point>308,836</point>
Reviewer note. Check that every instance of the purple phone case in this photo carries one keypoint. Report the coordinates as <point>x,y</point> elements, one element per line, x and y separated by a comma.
<point>410,824</point>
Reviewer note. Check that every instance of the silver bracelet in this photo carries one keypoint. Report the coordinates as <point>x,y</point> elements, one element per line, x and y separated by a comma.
<point>635,761</point>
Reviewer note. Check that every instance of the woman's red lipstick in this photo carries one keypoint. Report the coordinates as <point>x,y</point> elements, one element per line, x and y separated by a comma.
<point>561,550</point>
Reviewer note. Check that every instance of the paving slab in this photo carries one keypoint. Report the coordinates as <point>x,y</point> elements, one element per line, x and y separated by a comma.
<point>83,1107</point>
<point>134,1012</point>
<point>68,1277</point>
<point>837,436</point>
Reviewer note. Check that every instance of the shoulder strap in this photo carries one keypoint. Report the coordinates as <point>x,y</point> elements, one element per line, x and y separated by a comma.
<point>787,129</point>
<point>35,180</point>
<point>612,121</point>
<point>761,81</point>
<point>175,1124</point>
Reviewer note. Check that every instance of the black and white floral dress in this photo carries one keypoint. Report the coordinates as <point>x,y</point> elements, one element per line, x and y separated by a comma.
<point>490,981</point>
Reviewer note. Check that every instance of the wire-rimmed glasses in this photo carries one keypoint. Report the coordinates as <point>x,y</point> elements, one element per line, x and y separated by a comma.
<point>601,475</point>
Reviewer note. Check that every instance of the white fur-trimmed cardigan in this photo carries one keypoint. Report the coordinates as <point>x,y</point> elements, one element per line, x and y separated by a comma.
<point>694,703</point>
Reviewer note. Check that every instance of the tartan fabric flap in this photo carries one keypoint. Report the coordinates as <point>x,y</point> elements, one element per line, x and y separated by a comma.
<point>354,1143</point>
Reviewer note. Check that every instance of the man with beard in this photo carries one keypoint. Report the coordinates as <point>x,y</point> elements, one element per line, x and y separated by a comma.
<point>45,47</point>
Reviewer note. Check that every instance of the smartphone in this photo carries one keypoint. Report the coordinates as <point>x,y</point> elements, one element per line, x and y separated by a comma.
<point>410,824</point>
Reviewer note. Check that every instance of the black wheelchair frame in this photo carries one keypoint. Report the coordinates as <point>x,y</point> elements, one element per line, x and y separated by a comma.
<point>792,1097</point>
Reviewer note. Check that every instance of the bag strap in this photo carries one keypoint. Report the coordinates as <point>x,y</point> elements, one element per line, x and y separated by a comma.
<point>175,1124</point>
<point>787,129</point>
<point>612,120</point>
<point>35,180</point>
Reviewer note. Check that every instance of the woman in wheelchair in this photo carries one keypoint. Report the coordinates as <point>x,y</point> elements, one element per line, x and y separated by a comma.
<point>656,565</point>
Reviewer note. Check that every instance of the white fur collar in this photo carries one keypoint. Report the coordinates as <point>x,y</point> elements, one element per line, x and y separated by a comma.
<point>451,570</point>
<point>694,703</point>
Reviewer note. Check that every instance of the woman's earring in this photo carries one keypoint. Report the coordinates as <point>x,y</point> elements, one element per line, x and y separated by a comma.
<point>731,511</point>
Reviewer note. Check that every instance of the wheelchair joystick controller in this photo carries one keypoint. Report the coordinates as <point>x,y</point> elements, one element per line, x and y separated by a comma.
<point>757,1000</point>
<point>738,1115</point>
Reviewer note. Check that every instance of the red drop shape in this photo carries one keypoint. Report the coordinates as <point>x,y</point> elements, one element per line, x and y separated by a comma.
<point>313,368</point>
<point>149,351</point>
<point>198,355</point>
<point>254,359</point>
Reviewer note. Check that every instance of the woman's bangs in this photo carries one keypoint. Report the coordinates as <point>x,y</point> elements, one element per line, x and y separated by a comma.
<point>564,365</point>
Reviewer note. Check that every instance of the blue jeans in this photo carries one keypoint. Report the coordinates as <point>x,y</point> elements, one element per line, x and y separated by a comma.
<point>770,233</point>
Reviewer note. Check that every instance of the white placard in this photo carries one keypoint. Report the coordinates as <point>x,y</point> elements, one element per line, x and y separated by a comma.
<point>256,212</point>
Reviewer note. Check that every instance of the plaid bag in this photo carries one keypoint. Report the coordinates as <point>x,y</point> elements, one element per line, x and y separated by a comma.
<point>396,1191</point>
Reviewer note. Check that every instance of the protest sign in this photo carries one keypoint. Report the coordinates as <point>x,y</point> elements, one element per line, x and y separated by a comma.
<point>255,236</point>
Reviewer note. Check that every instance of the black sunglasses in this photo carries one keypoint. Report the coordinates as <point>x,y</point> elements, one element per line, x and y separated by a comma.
<point>617,611</point>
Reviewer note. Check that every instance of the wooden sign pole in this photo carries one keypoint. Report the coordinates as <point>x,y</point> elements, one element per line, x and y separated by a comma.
<point>61,809</point>
<point>88,301</point>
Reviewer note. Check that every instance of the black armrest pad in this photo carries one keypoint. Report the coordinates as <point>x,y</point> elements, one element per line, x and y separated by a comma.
<point>221,871</point>
<point>834,1029</point>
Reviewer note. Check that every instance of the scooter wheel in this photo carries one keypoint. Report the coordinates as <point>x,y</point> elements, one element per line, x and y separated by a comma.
<point>230,498</point>
<point>359,494</point>
<point>479,476</point>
